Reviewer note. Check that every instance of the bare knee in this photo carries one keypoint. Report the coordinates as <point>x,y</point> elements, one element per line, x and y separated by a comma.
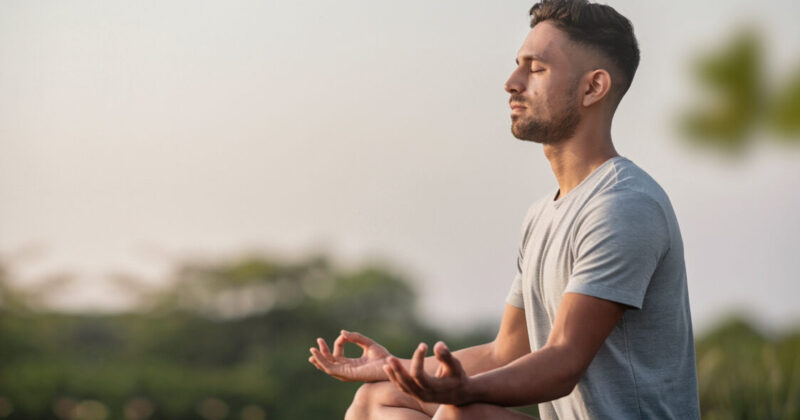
<point>452,412</point>
<point>477,412</point>
<point>468,412</point>
<point>362,403</point>
<point>371,397</point>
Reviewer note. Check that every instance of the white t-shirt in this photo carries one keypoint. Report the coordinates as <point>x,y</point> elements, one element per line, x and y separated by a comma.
<point>614,237</point>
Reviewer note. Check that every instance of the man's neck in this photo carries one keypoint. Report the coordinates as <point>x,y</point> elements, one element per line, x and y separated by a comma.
<point>572,160</point>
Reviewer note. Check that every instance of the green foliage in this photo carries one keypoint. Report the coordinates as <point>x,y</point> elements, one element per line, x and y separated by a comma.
<point>734,76</point>
<point>226,340</point>
<point>205,350</point>
<point>740,100</point>
<point>745,375</point>
<point>784,115</point>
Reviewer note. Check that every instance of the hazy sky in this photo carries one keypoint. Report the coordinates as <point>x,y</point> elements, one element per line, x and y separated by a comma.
<point>133,134</point>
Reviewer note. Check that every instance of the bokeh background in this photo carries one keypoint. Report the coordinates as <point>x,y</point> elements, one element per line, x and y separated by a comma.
<point>192,191</point>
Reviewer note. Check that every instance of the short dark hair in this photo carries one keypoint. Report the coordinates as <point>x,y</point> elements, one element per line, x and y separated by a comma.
<point>595,25</point>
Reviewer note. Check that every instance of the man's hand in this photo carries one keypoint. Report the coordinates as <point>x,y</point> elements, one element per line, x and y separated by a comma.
<point>367,368</point>
<point>449,386</point>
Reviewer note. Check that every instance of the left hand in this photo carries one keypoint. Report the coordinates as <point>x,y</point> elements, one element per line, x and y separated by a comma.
<point>449,386</point>
<point>367,368</point>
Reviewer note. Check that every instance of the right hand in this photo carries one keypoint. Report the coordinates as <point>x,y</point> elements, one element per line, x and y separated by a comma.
<point>367,368</point>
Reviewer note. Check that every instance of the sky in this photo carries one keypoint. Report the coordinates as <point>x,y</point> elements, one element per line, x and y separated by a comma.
<point>137,134</point>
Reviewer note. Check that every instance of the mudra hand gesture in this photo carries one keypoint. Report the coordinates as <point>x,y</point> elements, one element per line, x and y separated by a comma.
<point>448,386</point>
<point>367,368</point>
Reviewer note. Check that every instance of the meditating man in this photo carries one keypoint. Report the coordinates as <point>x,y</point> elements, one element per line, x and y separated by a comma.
<point>597,322</point>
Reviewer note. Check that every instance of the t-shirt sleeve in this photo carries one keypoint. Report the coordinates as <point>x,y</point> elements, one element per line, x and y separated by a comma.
<point>514,297</point>
<point>619,242</point>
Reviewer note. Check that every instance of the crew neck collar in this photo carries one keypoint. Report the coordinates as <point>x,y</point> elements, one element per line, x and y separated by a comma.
<point>562,198</point>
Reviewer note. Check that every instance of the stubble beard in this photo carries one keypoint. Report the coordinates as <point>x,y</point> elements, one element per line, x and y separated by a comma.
<point>558,128</point>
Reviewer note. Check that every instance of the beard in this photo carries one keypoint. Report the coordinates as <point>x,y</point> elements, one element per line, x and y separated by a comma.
<point>560,126</point>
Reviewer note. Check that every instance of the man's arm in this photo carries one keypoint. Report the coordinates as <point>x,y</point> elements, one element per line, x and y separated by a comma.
<point>582,324</point>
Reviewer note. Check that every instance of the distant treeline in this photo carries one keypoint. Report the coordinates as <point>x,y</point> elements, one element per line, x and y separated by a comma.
<point>230,339</point>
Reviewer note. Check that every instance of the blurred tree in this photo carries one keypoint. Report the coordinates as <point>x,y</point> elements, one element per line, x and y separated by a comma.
<point>205,350</point>
<point>740,101</point>
<point>784,113</point>
<point>224,339</point>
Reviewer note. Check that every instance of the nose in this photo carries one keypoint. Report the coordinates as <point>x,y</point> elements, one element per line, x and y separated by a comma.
<point>515,82</point>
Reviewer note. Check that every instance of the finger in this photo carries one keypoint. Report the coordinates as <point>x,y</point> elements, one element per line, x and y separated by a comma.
<point>325,366</point>
<point>444,356</point>
<point>316,364</point>
<point>392,378</point>
<point>395,379</point>
<point>418,364</point>
<point>338,346</point>
<point>358,339</point>
<point>323,348</point>
<point>324,363</point>
<point>405,378</point>
<point>440,370</point>
<point>315,361</point>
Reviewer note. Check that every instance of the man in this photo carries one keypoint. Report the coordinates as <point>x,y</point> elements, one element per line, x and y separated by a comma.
<point>597,322</point>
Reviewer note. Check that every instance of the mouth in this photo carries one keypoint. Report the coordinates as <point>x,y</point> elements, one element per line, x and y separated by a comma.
<point>517,108</point>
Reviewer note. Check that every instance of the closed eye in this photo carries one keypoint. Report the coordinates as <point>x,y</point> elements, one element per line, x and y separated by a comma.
<point>536,70</point>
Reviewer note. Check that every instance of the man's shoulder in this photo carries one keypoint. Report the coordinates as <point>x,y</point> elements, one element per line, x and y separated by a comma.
<point>629,186</point>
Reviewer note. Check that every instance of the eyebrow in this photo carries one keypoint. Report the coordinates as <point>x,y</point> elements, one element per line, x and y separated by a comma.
<point>531,57</point>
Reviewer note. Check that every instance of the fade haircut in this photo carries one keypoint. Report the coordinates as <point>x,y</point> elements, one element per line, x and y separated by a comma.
<point>597,26</point>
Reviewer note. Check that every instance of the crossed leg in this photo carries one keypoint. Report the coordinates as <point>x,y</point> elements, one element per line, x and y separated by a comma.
<point>383,401</point>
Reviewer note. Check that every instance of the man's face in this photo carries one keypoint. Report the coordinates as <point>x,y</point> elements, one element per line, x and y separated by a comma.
<point>544,96</point>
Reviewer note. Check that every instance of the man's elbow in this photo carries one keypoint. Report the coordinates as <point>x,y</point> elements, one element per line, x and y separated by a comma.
<point>569,375</point>
<point>565,387</point>
<point>556,389</point>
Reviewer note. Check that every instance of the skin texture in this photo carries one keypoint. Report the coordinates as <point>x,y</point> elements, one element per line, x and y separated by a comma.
<point>562,96</point>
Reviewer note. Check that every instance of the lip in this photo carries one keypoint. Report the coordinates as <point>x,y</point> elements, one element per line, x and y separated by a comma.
<point>517,108</point>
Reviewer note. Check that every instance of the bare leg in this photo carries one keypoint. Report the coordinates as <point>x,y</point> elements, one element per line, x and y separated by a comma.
<point>383,401</point>
<point>478,412</point>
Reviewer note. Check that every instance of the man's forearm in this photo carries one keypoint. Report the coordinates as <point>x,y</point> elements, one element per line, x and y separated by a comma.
<point>541,376</point>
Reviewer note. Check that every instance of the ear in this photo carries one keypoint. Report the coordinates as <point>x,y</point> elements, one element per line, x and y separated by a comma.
<point>597,86</point>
